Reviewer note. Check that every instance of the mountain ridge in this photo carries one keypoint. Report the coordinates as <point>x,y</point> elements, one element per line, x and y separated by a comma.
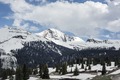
<point>17,45</point>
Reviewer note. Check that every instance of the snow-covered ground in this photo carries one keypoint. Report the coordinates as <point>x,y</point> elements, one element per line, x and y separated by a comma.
<point>51,70</point>
<point>97,67</point>
<point>33,78</point>
<point>83,76</point>
<point>115,72</point>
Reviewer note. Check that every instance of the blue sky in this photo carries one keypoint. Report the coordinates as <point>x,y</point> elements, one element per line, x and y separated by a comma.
<point>5,11</point>
<point>84,18</point>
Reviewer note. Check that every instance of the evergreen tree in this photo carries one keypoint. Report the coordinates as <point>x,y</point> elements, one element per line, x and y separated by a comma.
<point>11,78</point>
<point>86,68</point>
<point>40,71</point>
<point>19,74</point>
<point>119,64</point>
<point>107,60</point>
<point>60,71</point>
<point>76,71</point>
<point>30,71</point>
<point>87,62</point>
<point>115,63</point>
<point>25,72</point>
<point>64,68</point>
<point>35,71</point>
<point>103,69</point>
<point>71,69</point>
<point>4,74</point>
<point>0,64</point>
<point>82,66</point>
<point>0,67</point>
<point>45,72</point>
<point>57,68</point>
<point>72,63</point>
<point>10,73</point>
<point>78,61</point>
<point>89,67</point>
<point>94,62</point>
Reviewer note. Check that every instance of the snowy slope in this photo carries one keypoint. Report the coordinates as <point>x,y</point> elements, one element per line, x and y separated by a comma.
<point>8,61</point>
<point>13,38</point>
<point>61,38</point>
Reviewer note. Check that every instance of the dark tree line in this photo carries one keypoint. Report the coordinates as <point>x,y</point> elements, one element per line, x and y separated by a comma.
<point>4,73</point>
<point>24,72</point>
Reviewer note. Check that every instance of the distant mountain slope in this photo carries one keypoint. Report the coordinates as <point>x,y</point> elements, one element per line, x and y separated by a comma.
<point>93,43</point>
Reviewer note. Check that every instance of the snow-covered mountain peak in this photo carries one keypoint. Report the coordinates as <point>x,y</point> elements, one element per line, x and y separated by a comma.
<point>54,34</point>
